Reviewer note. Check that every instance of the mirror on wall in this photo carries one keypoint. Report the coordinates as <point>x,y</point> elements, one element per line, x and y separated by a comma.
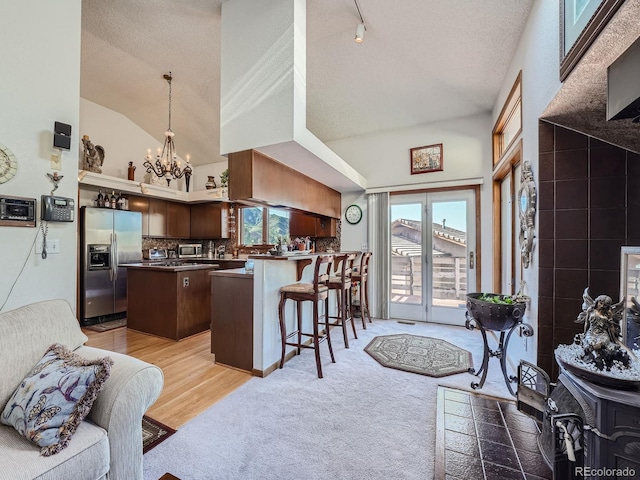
<point>630,293</point>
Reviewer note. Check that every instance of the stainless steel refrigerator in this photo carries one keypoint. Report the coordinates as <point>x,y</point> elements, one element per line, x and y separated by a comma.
<point>109,238</point>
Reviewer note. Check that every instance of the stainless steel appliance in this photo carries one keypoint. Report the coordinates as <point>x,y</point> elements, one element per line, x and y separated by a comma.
<point>190,250</point>
<point>109,238</point>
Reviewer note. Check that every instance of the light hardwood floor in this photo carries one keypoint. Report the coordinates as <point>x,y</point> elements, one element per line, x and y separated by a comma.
<point>192,382</point>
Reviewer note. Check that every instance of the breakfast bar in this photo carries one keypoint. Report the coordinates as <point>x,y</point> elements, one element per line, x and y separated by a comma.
<point>270,272</point>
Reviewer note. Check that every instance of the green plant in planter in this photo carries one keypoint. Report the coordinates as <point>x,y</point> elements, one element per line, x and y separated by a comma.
<point>499,299</point>
<point>224,178</point>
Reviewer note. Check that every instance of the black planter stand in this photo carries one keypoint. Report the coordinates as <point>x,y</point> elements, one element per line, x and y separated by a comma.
<point>495,317</point>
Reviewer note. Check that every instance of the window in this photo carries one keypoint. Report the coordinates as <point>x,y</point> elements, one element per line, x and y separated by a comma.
<point>261,225</point>
<point>509,123</point>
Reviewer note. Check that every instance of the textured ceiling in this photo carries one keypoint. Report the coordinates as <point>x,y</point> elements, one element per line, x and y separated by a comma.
<point>421,60</point>
<point>581,103</point>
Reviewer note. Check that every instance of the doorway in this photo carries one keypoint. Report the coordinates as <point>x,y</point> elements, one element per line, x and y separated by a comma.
<point>433,258</point>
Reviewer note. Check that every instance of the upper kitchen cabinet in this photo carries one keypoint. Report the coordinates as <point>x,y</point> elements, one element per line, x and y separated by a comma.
<point>257,179</point>
<point>210,220</point>
<point>178,220</point>
<point>141,204</point>
<point>303,225</point>
<point>162,219</point>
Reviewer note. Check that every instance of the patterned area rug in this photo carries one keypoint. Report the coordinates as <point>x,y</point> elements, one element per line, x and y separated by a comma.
<point>103,327</point>
<point>423,355</point>
<point>153,433</point>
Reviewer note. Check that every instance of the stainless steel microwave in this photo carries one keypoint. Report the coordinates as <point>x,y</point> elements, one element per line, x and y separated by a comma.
<point>190,250</point>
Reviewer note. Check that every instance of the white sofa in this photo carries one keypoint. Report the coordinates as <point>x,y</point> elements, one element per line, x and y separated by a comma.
<point>108,443</point>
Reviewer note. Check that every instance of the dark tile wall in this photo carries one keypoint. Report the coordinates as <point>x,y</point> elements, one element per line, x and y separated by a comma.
<point>587,197</point>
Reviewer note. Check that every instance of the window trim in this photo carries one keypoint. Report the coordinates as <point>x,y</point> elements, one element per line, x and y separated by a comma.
<point>265,226</point>
<point>508,166</point>
<point>506,114</point>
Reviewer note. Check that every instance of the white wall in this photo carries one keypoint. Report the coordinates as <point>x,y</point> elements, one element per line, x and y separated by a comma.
<point>40,73</point>
<point>537,56</point>
<point>124,142</point>
<point>383,158</point>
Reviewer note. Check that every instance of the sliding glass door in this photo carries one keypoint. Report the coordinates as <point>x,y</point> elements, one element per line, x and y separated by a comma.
<point>432,255</point>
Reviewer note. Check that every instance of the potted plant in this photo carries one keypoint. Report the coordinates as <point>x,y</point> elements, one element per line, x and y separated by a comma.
<point>224,178</point>
<point>496,311</point>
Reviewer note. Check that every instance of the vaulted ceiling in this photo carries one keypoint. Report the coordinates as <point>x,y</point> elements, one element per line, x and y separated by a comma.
<point>421,61</point>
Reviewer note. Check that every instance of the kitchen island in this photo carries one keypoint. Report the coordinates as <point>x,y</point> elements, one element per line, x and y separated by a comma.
<point>170,300</point>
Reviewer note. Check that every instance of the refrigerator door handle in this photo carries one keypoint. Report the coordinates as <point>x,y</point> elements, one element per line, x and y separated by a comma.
<point>115,255</point>
<point>111,266</point>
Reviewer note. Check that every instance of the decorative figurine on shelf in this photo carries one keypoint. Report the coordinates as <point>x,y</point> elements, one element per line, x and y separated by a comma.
<point>55,178</point>
<point>131,171</point>
<point>93,156</point>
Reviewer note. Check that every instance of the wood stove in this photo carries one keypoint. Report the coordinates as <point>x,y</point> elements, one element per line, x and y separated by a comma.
<point>588,430</point>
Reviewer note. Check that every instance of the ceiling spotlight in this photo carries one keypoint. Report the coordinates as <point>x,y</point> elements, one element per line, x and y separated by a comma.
<point>359,33</point>
<point>360,28</point>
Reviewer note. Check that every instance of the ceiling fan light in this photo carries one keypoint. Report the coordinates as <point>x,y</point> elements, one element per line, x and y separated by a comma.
<point>359,33</point>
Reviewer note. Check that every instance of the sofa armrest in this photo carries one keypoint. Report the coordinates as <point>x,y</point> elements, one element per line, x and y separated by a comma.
<point>131,389</point>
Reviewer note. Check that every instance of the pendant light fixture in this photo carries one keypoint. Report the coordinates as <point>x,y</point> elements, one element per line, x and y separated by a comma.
<point>360,28</point>
<point>167,163</point>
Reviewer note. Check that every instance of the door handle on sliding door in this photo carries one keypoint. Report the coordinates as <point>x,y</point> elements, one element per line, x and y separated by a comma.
<point>472,260</point>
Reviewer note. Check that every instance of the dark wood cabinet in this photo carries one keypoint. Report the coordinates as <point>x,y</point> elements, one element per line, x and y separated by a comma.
<point>303,225</point>
<point>141,204</point>
<point>178,220</point>
<point>326,227</point>
<point>232,320</point>
<point>157,218</point>
<point>180,310</point>
<point>210,220</point>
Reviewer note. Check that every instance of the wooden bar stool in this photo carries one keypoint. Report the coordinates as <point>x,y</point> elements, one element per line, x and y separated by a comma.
<point>359,278</point>
<point>315,292</point>
<point>341,284</point>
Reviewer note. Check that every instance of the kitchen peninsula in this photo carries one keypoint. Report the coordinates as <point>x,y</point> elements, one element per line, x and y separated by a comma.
<point>270,273</point>
<point>170,300</point>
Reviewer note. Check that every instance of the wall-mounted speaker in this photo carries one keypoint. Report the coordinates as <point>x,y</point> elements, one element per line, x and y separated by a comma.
<point>62,136</point>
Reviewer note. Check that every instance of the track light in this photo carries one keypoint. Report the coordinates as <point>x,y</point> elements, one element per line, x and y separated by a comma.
<point>359,33</point>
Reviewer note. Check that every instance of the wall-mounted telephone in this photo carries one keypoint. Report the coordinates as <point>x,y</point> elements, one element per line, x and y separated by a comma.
<point>57,209</point>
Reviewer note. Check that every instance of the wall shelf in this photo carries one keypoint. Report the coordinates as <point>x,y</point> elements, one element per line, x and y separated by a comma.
<point>95,181</point>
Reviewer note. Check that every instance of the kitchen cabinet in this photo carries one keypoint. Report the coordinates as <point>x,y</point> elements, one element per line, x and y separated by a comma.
<point>210,220</point>
<point>258,179</point>
<point>303,225</point>
<point>141,204</point>
<point>178,218</point>
<point>161,218</point>
<point>157,218</point>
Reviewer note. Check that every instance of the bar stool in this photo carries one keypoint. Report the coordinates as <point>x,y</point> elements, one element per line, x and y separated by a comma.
<point>341,284</point>
<point>360,278</point>
<point>315,292</point>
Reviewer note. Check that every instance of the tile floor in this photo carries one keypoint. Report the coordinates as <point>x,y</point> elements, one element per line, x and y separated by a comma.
<point>481,437</point>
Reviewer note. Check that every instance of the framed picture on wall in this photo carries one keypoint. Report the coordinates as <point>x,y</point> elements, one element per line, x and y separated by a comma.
<point>427,159</point>
<point>580,23</point>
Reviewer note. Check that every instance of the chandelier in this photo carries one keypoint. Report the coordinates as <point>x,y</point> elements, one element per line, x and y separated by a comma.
<point>167,163</point>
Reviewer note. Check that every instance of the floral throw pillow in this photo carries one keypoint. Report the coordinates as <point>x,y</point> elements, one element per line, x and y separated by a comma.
<point>54,397</point>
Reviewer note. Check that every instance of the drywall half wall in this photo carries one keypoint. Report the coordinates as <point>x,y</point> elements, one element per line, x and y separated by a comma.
<point>40,85</point>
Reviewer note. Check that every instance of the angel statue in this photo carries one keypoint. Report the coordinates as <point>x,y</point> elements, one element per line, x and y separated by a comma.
<point>601,339</point>
<point>93,155</point>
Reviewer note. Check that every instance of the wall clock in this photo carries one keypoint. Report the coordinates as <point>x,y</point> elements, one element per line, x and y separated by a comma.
<point>353,214</point>
<point>8,164</point>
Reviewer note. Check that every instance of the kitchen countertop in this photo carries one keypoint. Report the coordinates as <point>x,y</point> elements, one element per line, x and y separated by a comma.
<point>170,268</point>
